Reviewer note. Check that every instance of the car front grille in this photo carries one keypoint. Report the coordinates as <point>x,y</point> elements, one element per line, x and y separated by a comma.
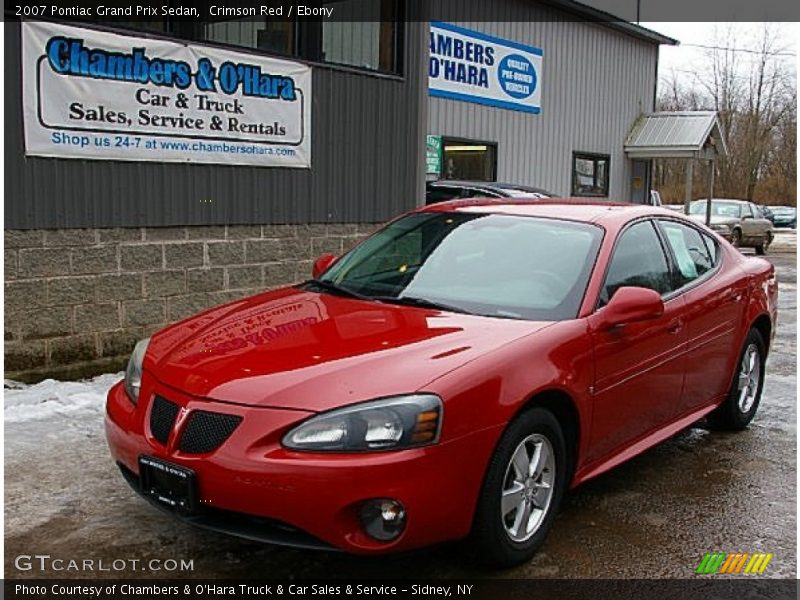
<point>162,418</point>
<point>206,431</point>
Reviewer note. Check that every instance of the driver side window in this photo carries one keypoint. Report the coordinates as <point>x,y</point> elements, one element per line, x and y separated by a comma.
<point>638,261</point>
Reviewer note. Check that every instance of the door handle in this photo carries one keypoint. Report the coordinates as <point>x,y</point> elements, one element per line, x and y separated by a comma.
<point>674,326</point>
<point>733,296</point>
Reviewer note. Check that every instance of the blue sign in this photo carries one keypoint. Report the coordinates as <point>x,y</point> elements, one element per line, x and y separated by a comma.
<point>472,66</point>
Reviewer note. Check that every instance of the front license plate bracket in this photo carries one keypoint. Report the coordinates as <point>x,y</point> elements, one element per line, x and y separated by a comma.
<point>169,485</point>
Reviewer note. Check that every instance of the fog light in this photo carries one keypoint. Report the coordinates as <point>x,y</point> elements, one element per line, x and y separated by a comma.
<point>383,518</point>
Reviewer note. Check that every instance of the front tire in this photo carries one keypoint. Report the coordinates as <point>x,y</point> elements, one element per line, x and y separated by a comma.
<point>736,238</point>
<point>741,404</point>
<point>522,490</point>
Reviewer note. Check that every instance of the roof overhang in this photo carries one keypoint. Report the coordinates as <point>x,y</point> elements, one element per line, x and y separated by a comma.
<point>683,134</point>
<point>589,13</point>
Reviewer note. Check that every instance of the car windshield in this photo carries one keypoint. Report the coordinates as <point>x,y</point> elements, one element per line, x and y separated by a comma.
<point>486,264</point>
<point>718,209</point>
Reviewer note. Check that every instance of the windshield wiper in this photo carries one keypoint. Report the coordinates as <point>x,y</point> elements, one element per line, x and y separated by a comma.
<point>420,302</point>
<point>406,300</point>
<point>329,286</point>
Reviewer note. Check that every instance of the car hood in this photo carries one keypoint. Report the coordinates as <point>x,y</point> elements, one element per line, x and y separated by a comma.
<point>298,349</point>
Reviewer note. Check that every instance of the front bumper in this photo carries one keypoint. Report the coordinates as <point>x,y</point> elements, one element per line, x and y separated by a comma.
<point>252,487</point>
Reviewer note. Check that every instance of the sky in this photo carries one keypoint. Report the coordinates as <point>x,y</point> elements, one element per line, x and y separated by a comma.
<point>688,57</point>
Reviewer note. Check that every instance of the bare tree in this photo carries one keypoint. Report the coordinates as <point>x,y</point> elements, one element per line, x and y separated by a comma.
<point>755,95</point>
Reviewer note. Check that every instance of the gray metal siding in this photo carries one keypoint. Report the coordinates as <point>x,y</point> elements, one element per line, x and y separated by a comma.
<point>366,164</point>
<point>595,83</point>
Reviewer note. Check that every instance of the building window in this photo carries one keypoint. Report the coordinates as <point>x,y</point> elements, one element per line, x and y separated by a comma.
<point>269,35</point>
<point>366,34</point>
<point>590,174</point>
<point>368,41</point>
<point>468,159</point>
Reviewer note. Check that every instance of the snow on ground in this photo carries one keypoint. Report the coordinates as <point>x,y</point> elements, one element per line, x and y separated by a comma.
<point>51,399</point>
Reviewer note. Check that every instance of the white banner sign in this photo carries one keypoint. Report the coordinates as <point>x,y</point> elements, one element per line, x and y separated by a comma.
<point>99,95</point>
<point>475,67</point>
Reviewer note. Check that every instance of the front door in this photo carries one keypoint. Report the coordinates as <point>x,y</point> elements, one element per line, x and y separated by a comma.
<point>639,367</point>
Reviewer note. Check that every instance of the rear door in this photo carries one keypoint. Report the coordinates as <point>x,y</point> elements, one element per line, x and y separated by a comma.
<point>714,306</point>
<point>639,367</point>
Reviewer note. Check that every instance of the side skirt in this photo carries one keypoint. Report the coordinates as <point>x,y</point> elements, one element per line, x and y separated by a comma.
<point>652,439</point>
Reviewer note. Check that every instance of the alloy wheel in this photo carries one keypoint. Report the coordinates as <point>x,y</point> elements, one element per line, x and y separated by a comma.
<point>749,378</point>
<point>528,487</point>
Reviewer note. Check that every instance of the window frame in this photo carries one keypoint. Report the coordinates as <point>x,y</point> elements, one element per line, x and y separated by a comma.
<point>595,158</point>
<point>492,146</point>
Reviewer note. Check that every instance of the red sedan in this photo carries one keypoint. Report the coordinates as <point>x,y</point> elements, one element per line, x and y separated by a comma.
<point>451,375</point>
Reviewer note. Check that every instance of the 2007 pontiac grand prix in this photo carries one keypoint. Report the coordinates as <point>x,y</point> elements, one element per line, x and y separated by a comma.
<point>450,376</point>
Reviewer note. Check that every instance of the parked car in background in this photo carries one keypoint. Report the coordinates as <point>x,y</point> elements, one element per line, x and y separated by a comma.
<point>784,216</point>
<point>767,212</point>
<point>450,376</point>
<point>739,221</point>
<point>443,190</point>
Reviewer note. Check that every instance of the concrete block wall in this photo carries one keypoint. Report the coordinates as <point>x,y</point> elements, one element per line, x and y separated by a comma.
<point>77,300</point>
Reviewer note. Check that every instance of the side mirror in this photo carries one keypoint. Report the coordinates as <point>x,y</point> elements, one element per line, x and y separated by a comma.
<point>322,263</point>
<point>629,305</point>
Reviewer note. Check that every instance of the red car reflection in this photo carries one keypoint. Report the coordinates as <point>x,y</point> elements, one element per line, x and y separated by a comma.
<point>453,374</point>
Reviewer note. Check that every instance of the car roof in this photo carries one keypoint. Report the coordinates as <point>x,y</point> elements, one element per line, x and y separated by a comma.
<point>601,212</point>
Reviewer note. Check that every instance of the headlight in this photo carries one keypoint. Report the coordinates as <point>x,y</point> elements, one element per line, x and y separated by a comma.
<point>387,424</point>
<point>133,374</point>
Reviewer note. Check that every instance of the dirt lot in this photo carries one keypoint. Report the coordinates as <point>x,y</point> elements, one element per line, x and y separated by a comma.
<point>653,517</point>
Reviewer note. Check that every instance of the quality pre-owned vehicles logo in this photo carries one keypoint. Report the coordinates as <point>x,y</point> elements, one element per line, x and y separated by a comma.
<point>719,563</point>
<point>472,66</point>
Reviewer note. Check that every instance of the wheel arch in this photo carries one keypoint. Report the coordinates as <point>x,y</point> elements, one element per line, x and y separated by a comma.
<point>763,324</point>
<point>565,410</point>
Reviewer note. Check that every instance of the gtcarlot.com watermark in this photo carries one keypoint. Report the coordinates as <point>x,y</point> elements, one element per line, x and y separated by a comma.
<point>44,563</point>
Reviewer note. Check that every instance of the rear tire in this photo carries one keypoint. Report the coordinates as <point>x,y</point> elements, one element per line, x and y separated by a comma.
<point>762,249</point>
<point>522,490</point>
<point>741,404</point>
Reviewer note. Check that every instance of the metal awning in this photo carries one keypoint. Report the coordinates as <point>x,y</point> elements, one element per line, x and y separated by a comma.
<point>684,134</point>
